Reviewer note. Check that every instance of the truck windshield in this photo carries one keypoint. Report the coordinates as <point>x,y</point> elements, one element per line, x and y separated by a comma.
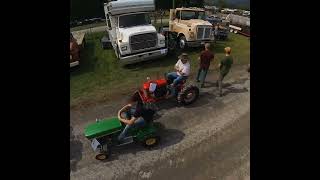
<point>187,15</point>
<point>134,20</point>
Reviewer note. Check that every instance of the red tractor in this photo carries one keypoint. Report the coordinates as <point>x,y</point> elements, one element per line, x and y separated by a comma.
<point>156,90</point>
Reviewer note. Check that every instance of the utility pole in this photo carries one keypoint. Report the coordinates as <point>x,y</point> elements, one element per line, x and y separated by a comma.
<point>173,4</point>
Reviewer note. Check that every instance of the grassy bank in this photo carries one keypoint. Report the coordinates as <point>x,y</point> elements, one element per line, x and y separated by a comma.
<point>100,77</point>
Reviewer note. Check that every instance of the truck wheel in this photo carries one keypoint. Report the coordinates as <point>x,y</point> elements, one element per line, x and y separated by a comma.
<point>188,95</point>
<point>172,45</point>
<point>231,30</point>
<point>103,155</point>
<point>151,141</point>
<point>182,42</point>
<point>235,31</point>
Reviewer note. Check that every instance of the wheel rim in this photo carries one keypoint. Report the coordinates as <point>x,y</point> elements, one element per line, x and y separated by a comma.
<point>101,156</point>
<point>182,43</point>
<point>190,96</point>
<point>151,141</point>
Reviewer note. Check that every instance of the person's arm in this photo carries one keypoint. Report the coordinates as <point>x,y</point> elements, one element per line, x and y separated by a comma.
<point>176,66</point>
<point>182,72</point>
<point>122,110</point>
<point>222,62</point>
<point>185,70</point>
<point>199,58</point>
<point>211,62</point>
<point>134,117</point>
<point>131,121</point>
<point>212,57</point>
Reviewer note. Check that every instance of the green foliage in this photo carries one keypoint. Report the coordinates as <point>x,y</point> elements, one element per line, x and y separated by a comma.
<point>222,3</point>
<point>82,9</point>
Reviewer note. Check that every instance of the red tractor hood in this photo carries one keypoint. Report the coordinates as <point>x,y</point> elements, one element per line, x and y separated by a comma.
<point>159,82</point>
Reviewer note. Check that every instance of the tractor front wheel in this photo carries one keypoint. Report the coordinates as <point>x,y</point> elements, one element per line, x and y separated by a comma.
<point>103,155</point>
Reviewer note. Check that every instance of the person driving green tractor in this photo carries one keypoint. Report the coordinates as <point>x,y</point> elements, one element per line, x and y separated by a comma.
<point>134,114</point>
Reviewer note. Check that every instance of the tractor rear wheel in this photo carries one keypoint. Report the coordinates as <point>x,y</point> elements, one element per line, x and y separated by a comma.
<point>151,141</point>
<point>188,95</point>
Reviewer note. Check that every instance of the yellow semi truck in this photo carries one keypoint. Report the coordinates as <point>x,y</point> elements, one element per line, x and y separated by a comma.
<point>191,26</point>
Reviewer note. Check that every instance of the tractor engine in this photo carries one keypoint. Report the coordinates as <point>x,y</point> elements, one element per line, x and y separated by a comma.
<point>161,87</point>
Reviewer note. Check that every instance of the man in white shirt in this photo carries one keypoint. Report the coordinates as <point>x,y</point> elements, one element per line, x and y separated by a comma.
<point>182,68</point>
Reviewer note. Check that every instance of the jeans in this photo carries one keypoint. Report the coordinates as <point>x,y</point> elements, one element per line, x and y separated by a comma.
<point>219,83</point>
<point>202,73</point>
<point>139,122</point>
<point>173,76</point>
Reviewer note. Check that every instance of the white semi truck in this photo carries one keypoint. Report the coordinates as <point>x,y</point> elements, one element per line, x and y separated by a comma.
<point>131,33</point>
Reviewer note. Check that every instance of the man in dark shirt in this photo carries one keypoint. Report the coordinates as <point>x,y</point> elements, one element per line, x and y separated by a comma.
<point>225,66</point>
<point>205,58</point>
<point>134,116</point>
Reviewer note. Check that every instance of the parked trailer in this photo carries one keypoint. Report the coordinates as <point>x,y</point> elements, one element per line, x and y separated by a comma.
<point>77,43</point>
<point>239,24</point>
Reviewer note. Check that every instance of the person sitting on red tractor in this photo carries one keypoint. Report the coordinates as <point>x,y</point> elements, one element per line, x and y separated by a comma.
<point>134,116</point>
<point>182,68</point>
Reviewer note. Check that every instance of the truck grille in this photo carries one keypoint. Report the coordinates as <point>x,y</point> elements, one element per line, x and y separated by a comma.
<point>143,41</point>
<point>203,32</point>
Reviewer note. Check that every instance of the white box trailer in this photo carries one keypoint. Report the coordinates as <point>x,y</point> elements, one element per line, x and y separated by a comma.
<point>239,20</point>
<point>130,6</point>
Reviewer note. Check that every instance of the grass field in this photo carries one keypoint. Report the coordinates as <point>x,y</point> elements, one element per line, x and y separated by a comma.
<point>99,76</point>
